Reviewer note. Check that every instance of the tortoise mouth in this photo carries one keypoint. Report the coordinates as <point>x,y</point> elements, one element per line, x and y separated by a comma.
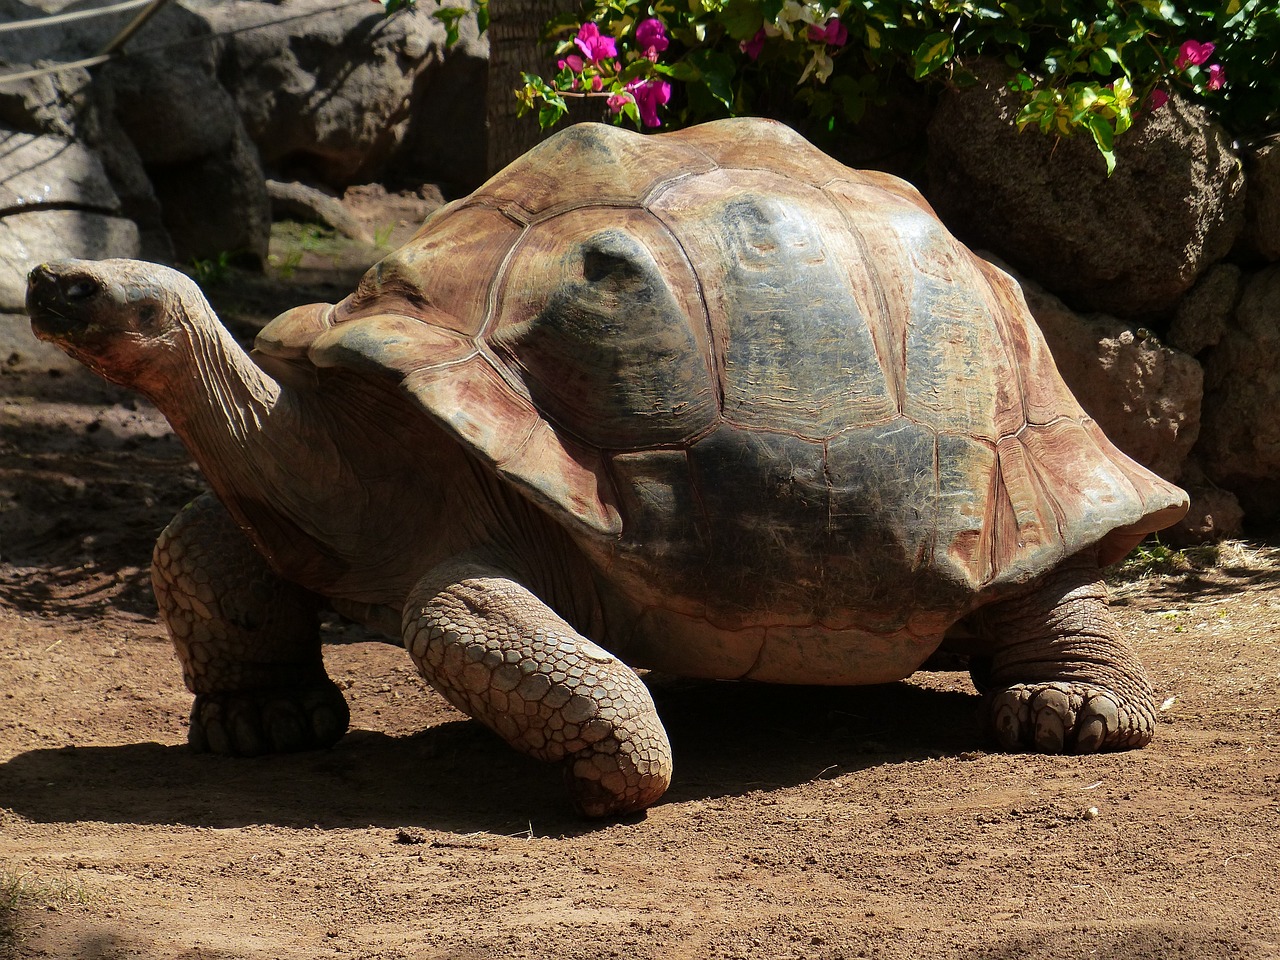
<point>59,298</point>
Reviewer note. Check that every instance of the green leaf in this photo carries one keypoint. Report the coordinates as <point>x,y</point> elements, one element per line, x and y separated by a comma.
<point>449,16</point>
<point>717,70</point>
<point>1101,64</point>
<point>931,55</point>
<point>551,113</point>
<point>741,18</point>
<point>1104,137</point>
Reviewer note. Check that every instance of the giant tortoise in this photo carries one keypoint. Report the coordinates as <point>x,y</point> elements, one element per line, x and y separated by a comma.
<point>708,403</point>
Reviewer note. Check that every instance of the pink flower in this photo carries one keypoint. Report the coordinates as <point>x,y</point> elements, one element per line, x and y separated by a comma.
<point>649,96</point>
<point>618,101</point>
<point>573,62</point>
<point>834,33</point>
<point>1192,53</point>
<point>651,35</point>
<point>1157,100</point>
<point>753,46</point>
<point>594,45</point>
<point>1217,77</point>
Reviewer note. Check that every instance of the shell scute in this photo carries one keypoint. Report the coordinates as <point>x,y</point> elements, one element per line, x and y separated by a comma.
<point>443,275</point>
<point>794,350</point>
<point>600,322</point>
<point>588,163</point>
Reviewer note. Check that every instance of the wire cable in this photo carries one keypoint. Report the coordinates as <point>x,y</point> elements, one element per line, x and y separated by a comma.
<point>69,17</point>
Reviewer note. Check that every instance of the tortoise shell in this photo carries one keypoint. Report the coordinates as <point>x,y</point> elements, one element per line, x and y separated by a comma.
<point>760,389</point>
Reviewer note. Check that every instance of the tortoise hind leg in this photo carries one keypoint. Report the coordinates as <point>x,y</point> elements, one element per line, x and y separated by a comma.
<point>248,640</point>
<point>1062,678</point>
<point>498,653</point>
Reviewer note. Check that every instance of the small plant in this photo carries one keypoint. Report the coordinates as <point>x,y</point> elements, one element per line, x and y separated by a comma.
<point>212,272</point>
<point>21,889</point>
<point>285,265</point>
<point>382,236</point>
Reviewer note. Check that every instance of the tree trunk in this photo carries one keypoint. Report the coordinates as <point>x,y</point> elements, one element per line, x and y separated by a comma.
<point>515,27</point>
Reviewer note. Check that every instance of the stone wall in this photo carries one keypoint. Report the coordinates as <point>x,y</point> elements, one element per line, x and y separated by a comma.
<point>164,152</point>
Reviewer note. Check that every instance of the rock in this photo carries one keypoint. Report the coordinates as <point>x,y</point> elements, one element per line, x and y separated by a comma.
<point>1204,313</point>
<point>55,201</point>
<point>27,239</point>
<point>1128,245</point>
<point>1145,395</point>
<point>69,105</point>
<point>195,151</point>
<point>173,113</point>
<point>1240,441</point>
<point>217,206</point>
<point>337,95</point>
<point>43,171</point>
<point>1262,204</point>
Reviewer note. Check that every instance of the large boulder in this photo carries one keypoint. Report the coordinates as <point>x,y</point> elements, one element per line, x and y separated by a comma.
<point>340,94</point>
<point>1130,244</point>
<point>1239,445</point>
<point>1262,213</point>
<point>1204,314</point>
<point>55,201</point>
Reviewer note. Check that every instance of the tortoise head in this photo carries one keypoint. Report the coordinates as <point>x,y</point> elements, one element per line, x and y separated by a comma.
<point>124,319</point>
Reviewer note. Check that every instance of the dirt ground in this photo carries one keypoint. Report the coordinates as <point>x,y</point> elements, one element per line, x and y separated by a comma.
<point>802,823</point>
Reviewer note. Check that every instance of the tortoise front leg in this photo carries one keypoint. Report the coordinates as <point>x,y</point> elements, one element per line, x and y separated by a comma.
<point>248,640</point>
<point>1062,678</point>
<point>498,653</point>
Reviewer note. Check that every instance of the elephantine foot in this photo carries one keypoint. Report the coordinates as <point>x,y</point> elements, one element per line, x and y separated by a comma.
<point>281,720</point>
<point>1067,717</point>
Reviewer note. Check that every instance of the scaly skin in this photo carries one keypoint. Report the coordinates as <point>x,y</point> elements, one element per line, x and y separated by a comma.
<point>498,653</point>
<point>247,640</point>
<point>1062,678</point>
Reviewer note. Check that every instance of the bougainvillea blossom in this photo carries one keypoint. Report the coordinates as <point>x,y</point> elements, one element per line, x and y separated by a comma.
<point>649,96</point>
<point>1192,53</point>
<point>594,45</point>
<point>651,35</point>
<point>834,33</point>
<point>753,46</point>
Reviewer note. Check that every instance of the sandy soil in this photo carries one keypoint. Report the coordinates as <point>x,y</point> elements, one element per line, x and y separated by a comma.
<point>802,823</point>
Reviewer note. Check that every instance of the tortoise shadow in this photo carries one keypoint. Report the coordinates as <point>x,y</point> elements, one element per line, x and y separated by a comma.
<point>729,740</point>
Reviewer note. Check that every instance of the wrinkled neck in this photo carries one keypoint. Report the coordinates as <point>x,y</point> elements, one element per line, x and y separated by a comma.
<point>219,402</point>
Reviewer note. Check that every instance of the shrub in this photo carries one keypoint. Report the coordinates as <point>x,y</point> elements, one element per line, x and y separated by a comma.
<point>1081,65</point>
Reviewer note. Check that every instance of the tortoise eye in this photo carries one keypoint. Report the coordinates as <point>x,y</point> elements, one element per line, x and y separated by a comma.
<point>148,317</point>
<point>79,290</point>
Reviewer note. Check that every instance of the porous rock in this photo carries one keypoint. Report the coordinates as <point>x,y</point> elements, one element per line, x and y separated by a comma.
<point>1262,214</point>
<point>1240,441</point>
<point>1130,244</point>
<point>1203,314</point>
<point>1214,514</point>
